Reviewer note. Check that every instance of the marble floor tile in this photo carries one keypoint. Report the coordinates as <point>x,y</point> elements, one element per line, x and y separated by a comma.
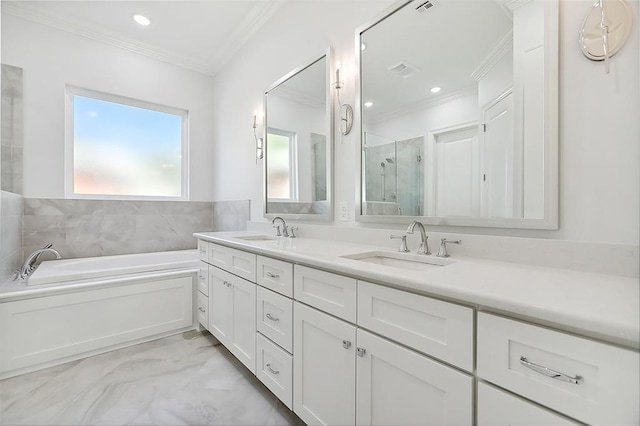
<point>186,379</point>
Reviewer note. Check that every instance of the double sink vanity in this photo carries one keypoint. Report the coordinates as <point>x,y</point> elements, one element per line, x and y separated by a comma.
<point>346,333</point>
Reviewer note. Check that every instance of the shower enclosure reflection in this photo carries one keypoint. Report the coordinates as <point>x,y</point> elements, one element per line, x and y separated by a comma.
<point>393,172</point>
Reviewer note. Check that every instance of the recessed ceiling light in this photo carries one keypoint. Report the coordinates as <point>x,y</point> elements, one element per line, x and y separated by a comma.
<point>368,104</point>
<point>436,89</point>
<point>142,20</point>
<point>363,46</point>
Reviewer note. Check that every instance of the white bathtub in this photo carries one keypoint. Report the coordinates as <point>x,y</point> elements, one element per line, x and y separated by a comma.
<point>67,270</point>
<point>74,308</point>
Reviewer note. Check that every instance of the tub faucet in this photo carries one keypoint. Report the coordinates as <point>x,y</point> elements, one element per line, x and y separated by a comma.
<point>29,264</point>
<point>424,244</point>
<point>285,231</point>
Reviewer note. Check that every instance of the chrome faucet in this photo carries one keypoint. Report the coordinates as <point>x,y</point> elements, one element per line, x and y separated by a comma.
<point>403,242</point>
<point>30,265</point>
<point>285,231</point>
<point>443,247</point>
<point>424,244</point>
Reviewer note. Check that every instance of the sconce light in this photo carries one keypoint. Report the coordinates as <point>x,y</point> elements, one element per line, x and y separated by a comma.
<point>259,141</point>
<point>346,112</point>
<point>605,30</point>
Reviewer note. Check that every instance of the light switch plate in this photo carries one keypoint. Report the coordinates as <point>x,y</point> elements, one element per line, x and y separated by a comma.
<point>344,211</point>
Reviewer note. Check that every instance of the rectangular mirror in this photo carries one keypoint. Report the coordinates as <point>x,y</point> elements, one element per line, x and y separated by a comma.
<point>458,102</point>
<point>299,143</point>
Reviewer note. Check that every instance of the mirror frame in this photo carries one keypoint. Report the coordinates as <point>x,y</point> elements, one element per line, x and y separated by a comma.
<point>329,126</point>
<point>551,146</point>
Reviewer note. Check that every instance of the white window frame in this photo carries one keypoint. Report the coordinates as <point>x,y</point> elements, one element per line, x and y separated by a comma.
<point>293,164</point>
<point>70,92</point>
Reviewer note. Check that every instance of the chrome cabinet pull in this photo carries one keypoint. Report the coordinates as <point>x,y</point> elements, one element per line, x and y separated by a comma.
<point>360,352</point>
<point>270,275</point>
<point>227,283</point>
<point>346,344</point>
<point>550,373</point>
<point>201,309</point>
<point>271,370</point>
<point>272,318</point>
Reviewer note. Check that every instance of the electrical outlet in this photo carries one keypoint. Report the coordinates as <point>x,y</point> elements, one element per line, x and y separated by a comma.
<point>344,211</point>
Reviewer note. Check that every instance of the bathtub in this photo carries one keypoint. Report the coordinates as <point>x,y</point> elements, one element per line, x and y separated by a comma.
<point>73,308</point>
<point>67,270</point>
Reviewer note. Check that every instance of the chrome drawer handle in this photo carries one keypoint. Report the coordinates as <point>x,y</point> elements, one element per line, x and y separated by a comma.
<point>360,352</point>
<point>550,373</point>
<point>201,309</point>
<point>272,318</point>
<point>227,283</point>
<point>346,344</point>
<point>270,275</point>
<point>271,370</point>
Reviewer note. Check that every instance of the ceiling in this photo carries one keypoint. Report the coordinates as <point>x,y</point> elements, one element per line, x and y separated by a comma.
<point>197,35</point>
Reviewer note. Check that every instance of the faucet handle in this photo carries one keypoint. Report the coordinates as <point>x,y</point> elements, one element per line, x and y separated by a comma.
<point>292,231</point>
<point>443,247</point>
<point>278,233</point>
<point>403,242</point>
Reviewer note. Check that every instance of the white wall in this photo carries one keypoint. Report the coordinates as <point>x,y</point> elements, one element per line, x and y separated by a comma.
<point>52,58</point>
<point>599,118</point>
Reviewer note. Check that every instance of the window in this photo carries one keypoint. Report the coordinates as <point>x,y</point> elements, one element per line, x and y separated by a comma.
<point>123,148</point>
<point>282,166</point>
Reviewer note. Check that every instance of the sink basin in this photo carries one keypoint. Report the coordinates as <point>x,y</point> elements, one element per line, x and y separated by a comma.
<point>406,261</point>
<point>256,238</point>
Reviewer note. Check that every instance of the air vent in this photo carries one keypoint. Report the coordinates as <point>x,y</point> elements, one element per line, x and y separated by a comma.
<point>403,70</point>
<point>424,6</point>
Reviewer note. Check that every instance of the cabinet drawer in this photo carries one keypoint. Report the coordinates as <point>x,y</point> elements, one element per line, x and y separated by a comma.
<point>203,279</point>
<point>607,391</point>
<point>328,292</point>
<point>498,408</point>
<point>237,262</point>
<point>440,329</point>
<point>275,317</point>
<point>275,369</point>
<point>275,275</point>
<point>203,309</point>
<point>203,250</point>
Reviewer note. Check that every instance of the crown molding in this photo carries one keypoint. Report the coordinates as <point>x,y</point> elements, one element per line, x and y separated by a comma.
<point>423,105</point>
<point>497,53</point>
<point>255,20</point>
<point>258,16</point>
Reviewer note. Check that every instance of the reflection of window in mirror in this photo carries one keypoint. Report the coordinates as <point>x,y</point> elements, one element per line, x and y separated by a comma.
<point>282,165</point>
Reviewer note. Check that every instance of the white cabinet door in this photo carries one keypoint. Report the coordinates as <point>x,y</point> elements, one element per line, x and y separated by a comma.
<point>220,305</point>
<point>324,368</point>
<point>498,408</point>
<point>232,314</point>
<point>397,386</point>
<point>243,344</point>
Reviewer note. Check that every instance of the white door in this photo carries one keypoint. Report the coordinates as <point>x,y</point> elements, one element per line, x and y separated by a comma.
<point>220,305</point>
<point>502,161</point>
<point>456,164</point>
<point>397,386</point>
<point>243,344</point>
<point>497,408</point>
<point>324,368</point>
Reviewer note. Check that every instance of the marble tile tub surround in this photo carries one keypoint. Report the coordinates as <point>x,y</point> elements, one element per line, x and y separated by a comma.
<point>84,228</point>
<point>186,379</point>
<point>603,258</point>
<point>11,209</point>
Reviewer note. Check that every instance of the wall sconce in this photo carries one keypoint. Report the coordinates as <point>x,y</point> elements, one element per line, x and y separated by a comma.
<point>345,110</point>
<point>259,141</point>
<point>605,30</point>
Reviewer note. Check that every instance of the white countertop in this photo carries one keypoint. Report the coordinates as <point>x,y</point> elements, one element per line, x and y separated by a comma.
<point>605,307</point>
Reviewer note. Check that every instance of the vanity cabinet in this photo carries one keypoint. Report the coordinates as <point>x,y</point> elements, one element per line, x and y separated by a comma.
<point>344,374</point>
<point>590,381</point>
<point>274,337</point>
